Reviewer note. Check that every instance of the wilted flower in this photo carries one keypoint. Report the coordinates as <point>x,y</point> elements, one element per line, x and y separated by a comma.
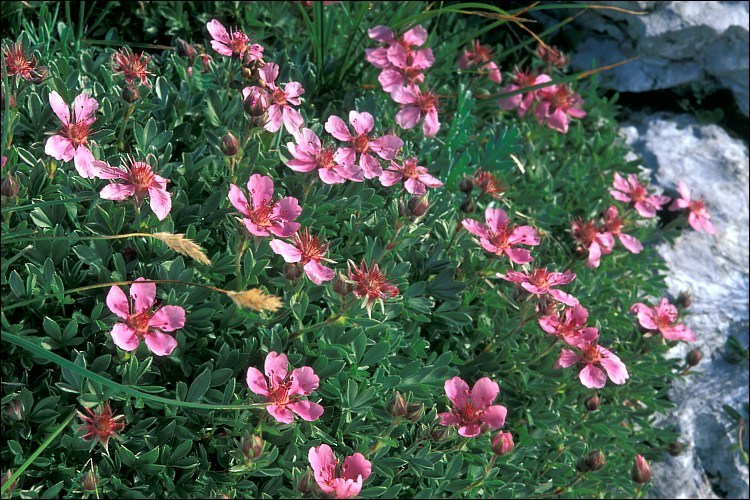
<point>338,482</point>
<point>591,356</point>
<point>570,326</point>
<point>698,217</point>
<point>283,390</point>
<point>499,237</point>
<point>141,322</point>
<point>362,144</point>
<point>591,238</point>
<point>101,426</point>
<point>524,100</point>
<point>540,282</point>
<point>488,183</point>
<point>416,179</point>
<point>265,216</point>
<point>131,66</point>
<point>281,109</point>
<point>416,103</point>
<point>552,56</point>
<point>502,443</point>
<point>634,193</point>
<point>331,163</point>
<point>641,471</point>
<point>473,408</point>
<point>17,62</point>
<point>480,55</point>
<point>370,284</point>
<point>309,251</point>
<point>664,319</point>
<point>557,103</point>
<point>72,140</point>
<point>136,180</point>
<point>233,43</point>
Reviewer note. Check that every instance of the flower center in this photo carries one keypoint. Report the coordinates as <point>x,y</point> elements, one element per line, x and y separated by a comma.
<point>468,414</point>
<point>324,158</point>
<point>279,97</point>
<point>500,238</point>
<point>142,175</point>
<point>310,247</point>
<point>427,102</point>
<point>77,132</point>
<point>585,232</point>
<point>361,143</point>
<point>261,216</point>
<point>238,42</point>
<point>280,393</point>
<point>412,74</point>
<point>590,354</point>
<point>139,322</point>
<point>539,278</point>
<point>638,193</point>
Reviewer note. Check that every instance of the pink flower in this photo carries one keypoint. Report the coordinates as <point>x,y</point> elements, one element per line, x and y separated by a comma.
<point>591,238</point>
<point>343,482</point>
<point>612,224</point>
<point>265,216</point>
<point>414,104</point>
<point>309,252</point>
<point>18,62</point>
<point>415,37</point>
<point>332,165</point>
<point>698,217</point>
<point>281,109</point>
<point>142,323</point>
<point>101,425</point>
<point>522,101</point>
<point>416,179</point>
<point>385,147</point>
<point>591,356</point>
<point>71,142</point>
<point>664,319</point>
<point>633,192</point>
<point>370,284</point>
<point>405,68</point>
<point>473,409</point>
<point>283,390</point>
<point>570,326</point>
<point>540,282</point>
<point>479,55</point>
<point>233,43</point>
<point>556,104</point>
<point>498,237</point>
<point>138,181</point>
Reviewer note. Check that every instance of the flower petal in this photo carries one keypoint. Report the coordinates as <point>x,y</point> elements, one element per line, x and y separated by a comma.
<point>290,253</point>
<point>124,337</point>
<point>592,377</point>
<point>494,416</point>
<point>260,188</point>
<point>143,295</point>
<point>256,381</point>
<point>356,465</point>
<point>217,31</point>
<point>318,273</point>
<point>276,367</point>
<point>83,160</point>
<point>117,302</point>
<point>84,108</point>
<point>281,413</point>
<point>59,148</point>
<point>59,107</point>
<point>238,199</point>
<point>168,318</point>
<point>470,430</point>
<point>303,381</point>
<point>484,392</point>
<point>307,410</point>
<point>457,391</point>
<point>361,122</point>
<point>159,343</point>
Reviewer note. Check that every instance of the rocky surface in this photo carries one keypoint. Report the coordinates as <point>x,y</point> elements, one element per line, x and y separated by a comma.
<point>677,43</point>
<point>715,271</point>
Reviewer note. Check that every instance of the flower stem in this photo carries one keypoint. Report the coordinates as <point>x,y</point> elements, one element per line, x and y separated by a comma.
<point>121,135</point>
<point>238,264</point>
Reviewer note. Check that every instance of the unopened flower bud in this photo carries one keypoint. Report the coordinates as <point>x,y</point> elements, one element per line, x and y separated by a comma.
<point>641,471</point>
<point>184,49</point>
<point>414,412</point>
<point>256,102</point>
<point>14,410</point>
<point>341,286</point>
<point>229,145</point>
<point>418,206</point>
<point>595,460</point>
<point>90,481</point>
<point>685,299</point>
<point>694,357</point>
<point>5,478</point>
<point>676,448</point>
<point>292,271</point>
<point>206,60</point>
<point>9,186</point>
<point>129,254</point>
<point>130,94</point>
<point>252,447</point>
<point>592,403</point>
<point>306,483</point>
<point>440,433</point>
<point>468,206</point>
<point>502,443</point>
<point>465,185</point>
<point>397,405</point>
<point>11,98</point>
<point>38,74</point>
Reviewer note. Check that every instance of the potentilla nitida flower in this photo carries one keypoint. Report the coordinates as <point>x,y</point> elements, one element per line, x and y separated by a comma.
<point>18,62</point>
<point>408,41</point>
<point>141,322</point>
<point>416,179</point>
<point>137,180</point>
<point>698,217</point>
<point>265,216</point>
<point>473,411</point>
<point>524,100</point>
<point>283,390</point>
<point>361,143</point>
<point>480,55</point>
<point>570,326</point>
<point>281,110</point>
<point>540,282</point>
<point>663,318</point>
<point>406,67</point>
<point>552,56</point>
<point>71,143</point>
<point>333,164</point>
<point>488,183</point>
<point>558,103</point>
<point>133,67</point>
<point>499,237</point>
<point>612,225</point>
<point>102,425</point>
<point>590,238</point>
<point>338,482</point>
<point>590,357</point>
<point>415,104</point>
<point>635,193</point>
<point>309,251</point>
<point>370,284</point>
<point>233,43</point>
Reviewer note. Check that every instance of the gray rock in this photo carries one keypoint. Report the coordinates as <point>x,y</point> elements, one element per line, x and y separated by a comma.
<point>677,43</point>
<point>715,271</point>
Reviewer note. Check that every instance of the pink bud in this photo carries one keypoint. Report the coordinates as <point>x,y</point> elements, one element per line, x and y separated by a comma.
<point>502,443</point>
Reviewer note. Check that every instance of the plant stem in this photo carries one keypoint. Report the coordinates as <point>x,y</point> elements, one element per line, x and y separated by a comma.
<point>238,263</point>
<point>121,135</point>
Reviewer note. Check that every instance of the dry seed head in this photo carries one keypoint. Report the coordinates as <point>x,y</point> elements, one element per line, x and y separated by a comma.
<point>184,246</point>
<point>255,299</point>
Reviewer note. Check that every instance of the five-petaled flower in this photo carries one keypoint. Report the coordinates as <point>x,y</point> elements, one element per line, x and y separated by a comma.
<point>480,55</point>
<point>633,192</point>
<point>523,100</point>
<point>362,144</point>
<point>698,216</point>
<point>498,237</point>
<point>591,356</point>
<point>101,425</point>
<point>416,179</point>
<point>132,66</point>
<point>283,390</point>
<point>370,284</point>
<point>338,482</point>
<point>309,251</point>
<point>281,110</point>
<point>401,62</point>
<point>590,237</point>
<point>557,103</point>
<point>137,180</point>
<point>416,103</point>
<point>265,216</point>
<point>334,165</point>
<point>663,318</point>
<point>540,282</point>
<point>570,326</point>
<point>233,43</point>
<point>72,140</point>
<point>141,322</point>
<point>472,409</point>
